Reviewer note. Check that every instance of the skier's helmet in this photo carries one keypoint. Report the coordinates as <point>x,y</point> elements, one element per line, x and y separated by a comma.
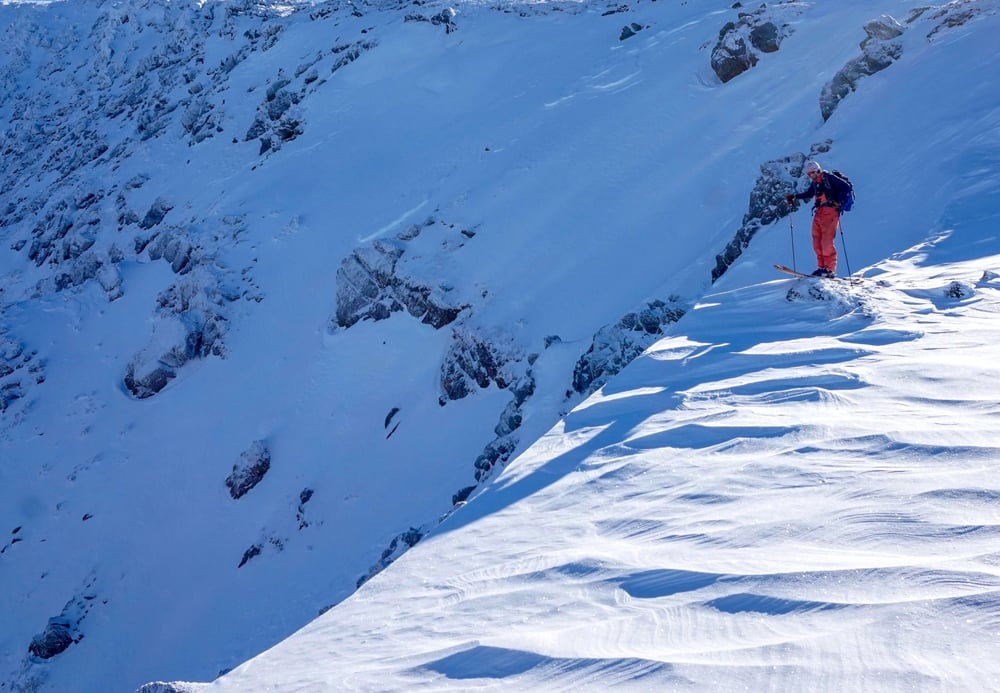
<point>812,167</point>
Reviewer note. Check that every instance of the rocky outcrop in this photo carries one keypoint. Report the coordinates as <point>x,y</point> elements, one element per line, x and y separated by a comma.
<point>951,15</point>
<point>879,50</point>
<point>150,77</point>
<point>172,687</point>
<point>397,547</point>
<point>371,285</point>
<point>157,211</point>
<point>254,463</point>
<point>64,630</point>
<point>55,639</point>
<point>630,30</point>
<point>190,324</point>
<point>474,361</point>
<point>741,42</point>
<point>615,346</point>
<point>445,18</point>
<point>20,369</point>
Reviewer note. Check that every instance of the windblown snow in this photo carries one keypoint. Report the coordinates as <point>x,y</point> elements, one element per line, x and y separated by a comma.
<point>394,347</point>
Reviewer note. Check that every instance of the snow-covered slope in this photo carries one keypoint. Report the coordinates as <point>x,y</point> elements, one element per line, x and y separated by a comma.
<point>283,288</point>
<point>809,504</point>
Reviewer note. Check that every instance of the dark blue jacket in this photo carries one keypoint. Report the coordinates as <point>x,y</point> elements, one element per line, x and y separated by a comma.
<point>829,191</point>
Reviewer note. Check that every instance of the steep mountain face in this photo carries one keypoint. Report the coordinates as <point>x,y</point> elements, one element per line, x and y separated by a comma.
<point>105,105</point>
<point>286,283</point>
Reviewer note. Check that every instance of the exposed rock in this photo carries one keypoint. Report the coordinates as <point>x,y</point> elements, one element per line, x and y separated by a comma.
<point>879,51</point>
<point>145,385</point>
<point>959,290</point>
<point>463,494</point>
<point>55,639</point>
<point>190,325</point>
<point>20,370</point>
<point>765,37</point>
<point>493,455</point>
<point>397,547</point>
<point>249,554</point>
<point>64,630</point>
<point>172,687</point>
<point>731,56</point>
<point>741,42</point>
<point>172,245</point>
<point>157,211</point>
<point>445,18</point>
<point>630,30</point>
<point>300,514</point>
<point>370,287</point>
<point>950,15</point>
<point>615,346</point>
<point>250,470</point>
<point>348,53</point>
<point>88,267</point>
<point>475,361</point>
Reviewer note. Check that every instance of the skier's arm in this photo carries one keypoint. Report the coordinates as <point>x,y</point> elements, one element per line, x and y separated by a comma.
<point>804,195</point>
<point>807,193</point>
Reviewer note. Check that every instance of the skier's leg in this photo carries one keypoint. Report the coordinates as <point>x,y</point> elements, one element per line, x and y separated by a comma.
<point>826,220</point>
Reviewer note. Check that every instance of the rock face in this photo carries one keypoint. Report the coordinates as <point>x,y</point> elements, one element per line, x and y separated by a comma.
<point>55,639</point>
<point>475,361</point>
<point>615,346</point>
<point>20,370</point>
<point>172,687</point>
<point>372,286</point>
<point>64,630</point>
<point>950,15</point>
<point>630,30</point>
<point>879,50</point>
<point>191,324</point>
<point>445,18</point>
<point>250,470</point>
<point>741,42</point>
<point>397,547</point>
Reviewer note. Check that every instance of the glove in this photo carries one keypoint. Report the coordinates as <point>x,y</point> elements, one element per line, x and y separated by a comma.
<point>790,199</point>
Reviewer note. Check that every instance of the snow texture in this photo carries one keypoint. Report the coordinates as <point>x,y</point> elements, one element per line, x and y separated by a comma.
<point>392,347</point>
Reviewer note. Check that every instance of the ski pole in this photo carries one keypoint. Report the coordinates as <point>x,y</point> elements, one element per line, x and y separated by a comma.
<point>843,242</point>
<point>791,230</point>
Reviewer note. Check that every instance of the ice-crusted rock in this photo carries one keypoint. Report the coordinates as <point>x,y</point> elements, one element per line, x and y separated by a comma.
<point>191,324</point>
<point>878,51</point>
<point>172,687</point>
<point>615,346</point>
<point>476,360</point>
<point>64,630</point>
<point>445,18</point>
<point>55,639</point>
<point>951,15</point>
<point>741,42</point>
<point>157,211</point>
<point>254,463</point>
<point>20,369</point>
<point>397,547</point>
<point>630,30</point>
<point>370,286</point>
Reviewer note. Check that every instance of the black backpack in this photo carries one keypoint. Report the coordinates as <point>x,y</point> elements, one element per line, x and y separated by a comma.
<point>848,202</point>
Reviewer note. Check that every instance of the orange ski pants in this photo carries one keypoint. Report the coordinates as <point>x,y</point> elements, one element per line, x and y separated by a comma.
<point>824,233</point>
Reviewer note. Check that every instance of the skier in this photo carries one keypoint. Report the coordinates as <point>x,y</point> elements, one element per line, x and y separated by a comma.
<point>829,192</point>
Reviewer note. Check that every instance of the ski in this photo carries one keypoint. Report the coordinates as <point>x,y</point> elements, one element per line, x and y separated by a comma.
<point>796,273</point>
